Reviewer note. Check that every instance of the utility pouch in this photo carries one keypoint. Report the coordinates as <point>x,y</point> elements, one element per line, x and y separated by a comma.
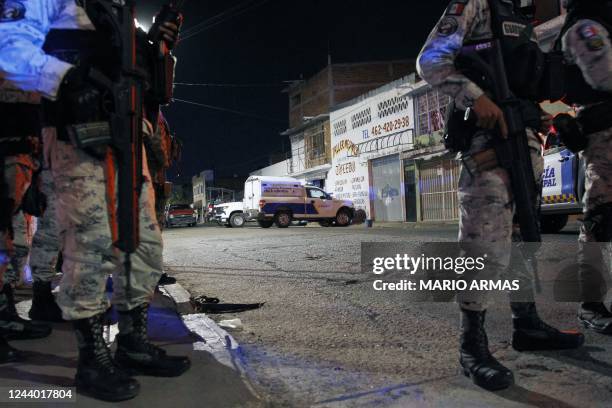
<point>459,130</point>
<point>93,138</point>
<point>552,83</point>
<point>34,201</point>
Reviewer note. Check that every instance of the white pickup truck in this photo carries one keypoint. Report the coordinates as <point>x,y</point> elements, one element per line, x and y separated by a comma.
<point>283,201</point>
<point>562,189</point>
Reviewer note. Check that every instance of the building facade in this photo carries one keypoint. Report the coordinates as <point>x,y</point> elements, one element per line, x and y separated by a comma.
<point>310,102</point>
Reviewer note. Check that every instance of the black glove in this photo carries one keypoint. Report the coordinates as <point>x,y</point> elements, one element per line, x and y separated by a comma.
<point>81,100</point>
<point>166,27</point>
<point>570,132</point>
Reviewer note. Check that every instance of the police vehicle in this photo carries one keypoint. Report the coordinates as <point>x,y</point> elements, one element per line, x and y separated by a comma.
<point>562,188</point>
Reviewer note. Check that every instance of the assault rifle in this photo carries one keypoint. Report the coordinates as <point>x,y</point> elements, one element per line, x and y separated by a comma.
<point>513,152</point>
<point>125,128</point>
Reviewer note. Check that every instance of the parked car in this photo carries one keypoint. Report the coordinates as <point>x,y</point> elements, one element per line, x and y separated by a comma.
<point>181,215</point>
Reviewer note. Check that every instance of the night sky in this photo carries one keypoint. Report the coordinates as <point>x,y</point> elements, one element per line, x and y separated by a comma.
<point>273,42</point>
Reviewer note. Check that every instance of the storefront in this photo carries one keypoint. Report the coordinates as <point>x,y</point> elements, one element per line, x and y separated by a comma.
<point>438,183</point>
<point>386,193</point>
<point>368,134</point>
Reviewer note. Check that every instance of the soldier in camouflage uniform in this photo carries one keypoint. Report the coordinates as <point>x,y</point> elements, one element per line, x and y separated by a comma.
<point>485,199</point>
<point>161,152</point>
<point>45,249</point>
<point>49,46</point>
<point>587,47</point>
<point>18,138</point>
<point>21,247</point>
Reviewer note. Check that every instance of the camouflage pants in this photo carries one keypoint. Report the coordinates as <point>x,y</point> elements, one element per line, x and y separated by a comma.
<point>486,218</point>
<point>18,175</point>
<point>86,237</point>
<point>598,193</point>
<point>45,245</point>
<point>21,248</point>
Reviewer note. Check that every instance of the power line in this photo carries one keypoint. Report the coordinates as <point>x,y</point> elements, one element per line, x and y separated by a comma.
<point>230,85</point>
<point>224,13</point>
<point>208,24</point>
<point>235,112</point>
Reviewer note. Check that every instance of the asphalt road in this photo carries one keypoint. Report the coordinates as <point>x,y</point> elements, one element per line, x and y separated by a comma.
<point>325,338</point>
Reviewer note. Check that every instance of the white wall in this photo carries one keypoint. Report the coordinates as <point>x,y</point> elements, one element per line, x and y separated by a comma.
<point>391,112</point>
<point>280,169</point>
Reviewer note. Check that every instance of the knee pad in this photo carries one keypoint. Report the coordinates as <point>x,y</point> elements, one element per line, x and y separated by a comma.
<point>599,222</point>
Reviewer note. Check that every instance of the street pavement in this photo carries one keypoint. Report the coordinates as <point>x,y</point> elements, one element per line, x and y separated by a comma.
<point>325,338</point>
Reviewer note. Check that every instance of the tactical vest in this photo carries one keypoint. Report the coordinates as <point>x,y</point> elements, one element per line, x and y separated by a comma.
<point>577,89</point>
<point>522,56</point>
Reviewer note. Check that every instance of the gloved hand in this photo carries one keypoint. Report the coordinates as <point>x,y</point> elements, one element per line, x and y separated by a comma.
<point>167,26</point>
<point>80,99</point>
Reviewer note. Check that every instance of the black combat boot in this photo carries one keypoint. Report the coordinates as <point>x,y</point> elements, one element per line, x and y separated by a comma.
<point>7,353</point>
<point>16,328</point>
<point>137,355</point>
<point>476,360</point>
<point>166,280</point>
<point>596,317</point>
<point>97,374</point>
<point>532,334</point>
<point>44,308</point>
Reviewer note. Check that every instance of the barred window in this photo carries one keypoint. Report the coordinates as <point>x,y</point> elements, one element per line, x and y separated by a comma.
<point>431,109</point>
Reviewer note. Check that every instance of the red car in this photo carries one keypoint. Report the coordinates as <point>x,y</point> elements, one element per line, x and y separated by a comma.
<point>181,215</point>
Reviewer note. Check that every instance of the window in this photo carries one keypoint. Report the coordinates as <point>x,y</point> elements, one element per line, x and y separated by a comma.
<point>296,100</point>
<point>316,193</point>
<point>314,141</point>
<point>431,111</point>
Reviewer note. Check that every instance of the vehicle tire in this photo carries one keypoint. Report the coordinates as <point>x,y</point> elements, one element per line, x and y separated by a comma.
<point>237,220</point>
<point>282,219</point>
<point>552,224</point>
<point>360,217</point>
<point>343,218</point>
<point>265,223</point>
<point>326,223</point>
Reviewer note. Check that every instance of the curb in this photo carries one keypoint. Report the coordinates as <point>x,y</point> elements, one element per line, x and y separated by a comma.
<point>213,339</point>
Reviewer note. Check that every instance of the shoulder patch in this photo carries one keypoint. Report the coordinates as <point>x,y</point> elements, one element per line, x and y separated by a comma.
<point>587,31</point>
<point>448,26</point>
<point>11,10</point>
<point>592,36</point>
<point>456,8</point>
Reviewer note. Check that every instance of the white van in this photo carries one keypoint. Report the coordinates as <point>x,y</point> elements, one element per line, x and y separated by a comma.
<point>280,200</point>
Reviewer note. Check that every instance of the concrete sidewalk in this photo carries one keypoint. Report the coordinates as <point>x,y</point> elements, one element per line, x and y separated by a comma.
<point>51,362</point>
